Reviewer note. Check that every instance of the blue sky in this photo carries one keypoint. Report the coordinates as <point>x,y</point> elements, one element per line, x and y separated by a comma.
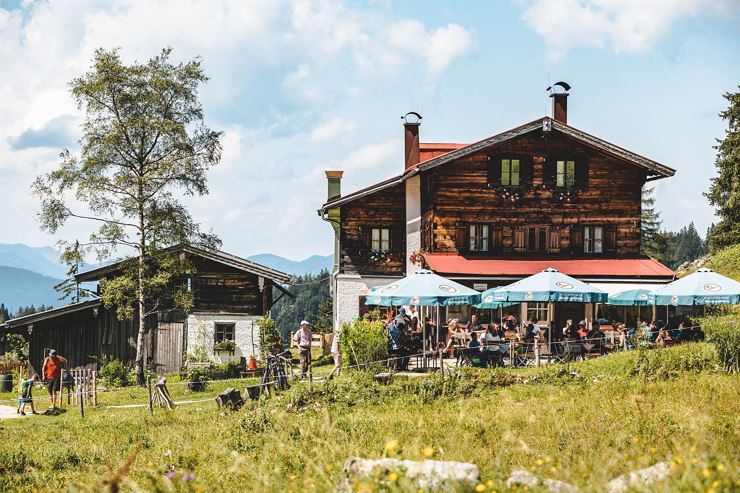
<point>302,86</point>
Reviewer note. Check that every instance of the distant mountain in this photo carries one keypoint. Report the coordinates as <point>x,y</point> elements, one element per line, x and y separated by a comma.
<point>312,265</point>
<point>42,260</point>
<point>21,287</point>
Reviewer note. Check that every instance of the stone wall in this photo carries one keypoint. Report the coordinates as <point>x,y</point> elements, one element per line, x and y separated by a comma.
<point>201,328</point>
<point>349,288</point>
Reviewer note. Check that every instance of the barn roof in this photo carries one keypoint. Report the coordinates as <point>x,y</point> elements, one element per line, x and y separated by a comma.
<point>214,255</point>
<point>444,153</point>
<point>54,312</point>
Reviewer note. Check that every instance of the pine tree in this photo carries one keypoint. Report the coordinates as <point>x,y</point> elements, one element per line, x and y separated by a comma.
<point>651,243</point>
<point>724,192</point>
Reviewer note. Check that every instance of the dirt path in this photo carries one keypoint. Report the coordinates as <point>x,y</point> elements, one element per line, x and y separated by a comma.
<point>8,412</point>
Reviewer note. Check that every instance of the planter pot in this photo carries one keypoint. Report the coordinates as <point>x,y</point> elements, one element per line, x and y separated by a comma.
<point>6,382</point>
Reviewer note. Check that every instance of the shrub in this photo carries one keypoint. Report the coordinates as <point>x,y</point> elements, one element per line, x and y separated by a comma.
<point>670,362</point>
<point>114,372</point>
<point>724,332</point>
<point>364,342</point>
<point>199,376</point>
<point>269,335</point>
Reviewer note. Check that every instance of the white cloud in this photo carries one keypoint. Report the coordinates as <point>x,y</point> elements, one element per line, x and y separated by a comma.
<point>622,25</point>
<point>374,155</point>
<point>330,129</point>
<point>438,48</point>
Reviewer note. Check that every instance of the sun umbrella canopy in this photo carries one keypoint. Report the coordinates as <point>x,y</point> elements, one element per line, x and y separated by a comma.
<point>631,297</point>
<point>548,285</point>
<point>703,287</point>
<point>488,303</point>
<point>423,288</point>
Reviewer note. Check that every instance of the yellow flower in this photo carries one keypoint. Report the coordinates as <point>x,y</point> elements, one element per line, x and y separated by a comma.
<point>364,487</point>
<point>329,467</point>
<point>548,459</point>
<point>710,490</point>
<point>532,468</point>
<point>553,469</point>
<point>489,483</point>
<point>693,448</point>
<point>391,446</point>
<point>539,462</point>
<point>715,484</point>
<point>678,459</point>
<point>694,460</point>
<point>480,487</point>
<point>720,467</point>
<point>706,472</point>
<point>392,477</point>
<point>635,440</point>
<point>427,452</point>
<point>150,464</point>
<point>653,449</point>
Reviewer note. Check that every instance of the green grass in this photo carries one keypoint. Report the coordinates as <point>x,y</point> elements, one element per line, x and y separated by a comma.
<point>586,425</point>
<point>725,261</point>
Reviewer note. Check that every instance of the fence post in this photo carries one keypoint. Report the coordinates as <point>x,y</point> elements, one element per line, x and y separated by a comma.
<point>81,401</point>
<point>95,387</point>
<point>61,387</point>
<point>151,403</point>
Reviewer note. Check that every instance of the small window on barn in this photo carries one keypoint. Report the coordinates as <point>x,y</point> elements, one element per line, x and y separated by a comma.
<point>510,172</point>
<point>519,240</point>
<point>478,238</point>
<point>565,174</point>
<point>593,239</point>
<point>380,239</point>
<point>224,332</point>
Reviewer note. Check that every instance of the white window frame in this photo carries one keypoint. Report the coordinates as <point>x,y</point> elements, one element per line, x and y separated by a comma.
<point>511,170</point>
<point>478,237</point>
<point>224,331</point>
<point>380,239</point>
<point>593,239</point>
<point>538,309</point>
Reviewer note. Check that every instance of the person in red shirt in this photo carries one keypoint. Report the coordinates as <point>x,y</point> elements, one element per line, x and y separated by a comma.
<point>52,372</point>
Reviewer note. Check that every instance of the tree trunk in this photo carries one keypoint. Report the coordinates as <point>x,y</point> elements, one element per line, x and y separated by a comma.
<point>139,365</point>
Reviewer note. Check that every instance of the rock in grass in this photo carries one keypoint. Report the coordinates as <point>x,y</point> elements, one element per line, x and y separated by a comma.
<point>521,477</point>
<point>428,474</point>
<point>642,477</point>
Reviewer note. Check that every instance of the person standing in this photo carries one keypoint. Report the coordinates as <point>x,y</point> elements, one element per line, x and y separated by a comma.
<point>302,339</point>
<point>337,355</point>
<point>52,372</point>
<point>25,395</point>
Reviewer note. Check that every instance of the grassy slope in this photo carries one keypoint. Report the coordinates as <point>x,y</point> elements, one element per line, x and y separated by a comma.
<point>726,262</point>
<point>586,430</point>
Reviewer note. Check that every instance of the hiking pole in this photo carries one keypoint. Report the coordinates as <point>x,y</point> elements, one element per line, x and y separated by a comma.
<point>61,387</point>
<point>310,371</point>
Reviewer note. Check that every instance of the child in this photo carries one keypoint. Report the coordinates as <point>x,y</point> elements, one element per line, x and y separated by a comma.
<point>25,391</point>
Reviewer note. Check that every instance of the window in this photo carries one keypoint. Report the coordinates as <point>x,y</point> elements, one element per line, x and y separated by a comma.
<point>510,169</point>
<point>593,239</point>
<point>554,243</point>
<point>537,311</point>
<point>565,174</point>
<point>224,332</point>
<point>380,239</point>
<point>478,238</point>
<point>536,239</point>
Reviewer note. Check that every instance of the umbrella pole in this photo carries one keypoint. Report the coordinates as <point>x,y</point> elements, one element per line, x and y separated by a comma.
<point>551,323</point>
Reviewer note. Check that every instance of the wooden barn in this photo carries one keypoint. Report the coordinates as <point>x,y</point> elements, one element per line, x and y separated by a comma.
<point>230,294</point>
<point>543,194</point>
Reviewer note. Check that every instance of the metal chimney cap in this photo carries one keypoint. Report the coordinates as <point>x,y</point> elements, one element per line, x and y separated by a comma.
<point>411,118</point>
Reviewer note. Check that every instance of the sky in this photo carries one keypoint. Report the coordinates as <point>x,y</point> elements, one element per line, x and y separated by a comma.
<point>301,86</point>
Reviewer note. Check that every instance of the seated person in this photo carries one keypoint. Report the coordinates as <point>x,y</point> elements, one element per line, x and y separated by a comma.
<point>528,336</point>
<point>664,338</point>
<point>596,337</point>
<point>474,325</point>
<point>397,342</point>
<point>582,330</point>
<point>698,334</point>
<point>474,343</point>
<point>457,336</point>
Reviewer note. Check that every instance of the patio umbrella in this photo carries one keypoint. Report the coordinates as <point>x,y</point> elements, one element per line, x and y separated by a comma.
<point>548,286</point>
<point>423,288</point>
<point>631,297</point>
<point>487,301</point>
<point>703,287</point>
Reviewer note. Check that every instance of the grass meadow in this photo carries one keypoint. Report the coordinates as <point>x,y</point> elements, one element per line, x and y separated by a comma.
<point>585,423</point>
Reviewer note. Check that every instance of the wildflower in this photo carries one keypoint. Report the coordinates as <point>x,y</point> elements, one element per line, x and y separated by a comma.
<point>188,477</point>
<point>480,487</point>
<point>168,453</point>
<point>706,472</point>
<point>653,449</point>
<point>532,468</point>
<point>393,477</point>
<point>715,484</point>
<point>171,475</point>
<point>548,459</point>
<point>693,448</point>
<point>489,483</point>
<point>678,459</point>
<point>539,462</point>
<point>150,465</point>
<point>427,452</point>
<point>694,460</point>
<point>635,440</point>
<point>553,469</point>
<point>720,467</point>
<point>391,446</point>
<point>329,467</point>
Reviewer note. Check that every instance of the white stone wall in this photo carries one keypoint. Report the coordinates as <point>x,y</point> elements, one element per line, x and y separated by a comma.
<point>413,220</point>
<point>201,332</point>
<point>349,290</point>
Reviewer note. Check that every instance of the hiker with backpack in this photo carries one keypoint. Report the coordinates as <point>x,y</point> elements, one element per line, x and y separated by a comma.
<point>52,372</point>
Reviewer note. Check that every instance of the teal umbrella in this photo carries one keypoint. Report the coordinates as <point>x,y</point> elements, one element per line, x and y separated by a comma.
<point>487,301</point>
<point>547,286</point>
<point>423,288</point>
<point>631,297</point>
<point>703,287</point>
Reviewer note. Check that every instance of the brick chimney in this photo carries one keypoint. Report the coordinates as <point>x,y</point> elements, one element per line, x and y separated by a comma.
<point>411,124</point>
<point>334,183</point>
<point>560,102</point>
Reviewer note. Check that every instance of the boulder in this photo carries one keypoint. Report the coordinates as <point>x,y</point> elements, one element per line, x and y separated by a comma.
<point>642,477</point>
<point>525,478</point>
<point>428,474</point>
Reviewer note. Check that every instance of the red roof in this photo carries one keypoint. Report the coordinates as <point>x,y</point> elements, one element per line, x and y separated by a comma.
<point>638,267</point>
<point>429,150</point>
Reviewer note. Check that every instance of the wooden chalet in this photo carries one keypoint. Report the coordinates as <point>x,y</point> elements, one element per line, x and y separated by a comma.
<point>230,294</point>
<point>543,194</point>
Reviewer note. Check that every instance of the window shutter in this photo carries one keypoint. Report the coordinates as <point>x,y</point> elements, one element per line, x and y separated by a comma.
<point>610,238</point>
<point>576,240</point>
<point>494,170</point>
<point>496,239</point>
<point>461,237</point>
<point>526,171</point>
<point>396,239</point>
<point>582,174</point>
<point>365,232</point>
<point>549,169</point>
